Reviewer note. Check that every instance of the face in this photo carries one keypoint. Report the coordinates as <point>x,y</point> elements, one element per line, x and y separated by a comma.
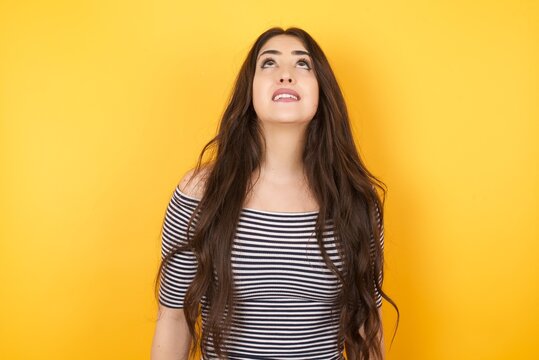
<point>284,69</point>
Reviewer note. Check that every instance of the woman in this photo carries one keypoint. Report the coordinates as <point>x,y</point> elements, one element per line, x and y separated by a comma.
<point>285,254</point>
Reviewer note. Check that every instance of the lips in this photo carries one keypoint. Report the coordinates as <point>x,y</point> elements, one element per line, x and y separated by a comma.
<point>286,91</point>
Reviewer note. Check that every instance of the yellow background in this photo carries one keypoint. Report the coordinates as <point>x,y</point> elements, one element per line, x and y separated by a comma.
<point>105,104</point>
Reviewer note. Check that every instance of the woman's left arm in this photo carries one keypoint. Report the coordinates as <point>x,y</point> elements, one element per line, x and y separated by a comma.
<point>379,336</point>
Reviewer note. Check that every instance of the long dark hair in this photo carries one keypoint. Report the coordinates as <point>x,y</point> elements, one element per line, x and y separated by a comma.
<point>343,187</point>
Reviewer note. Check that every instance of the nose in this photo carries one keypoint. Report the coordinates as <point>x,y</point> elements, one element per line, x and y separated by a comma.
<point>285,77</point>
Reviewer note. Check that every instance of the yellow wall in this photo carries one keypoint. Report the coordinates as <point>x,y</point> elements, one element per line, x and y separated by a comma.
<point>104,105</point>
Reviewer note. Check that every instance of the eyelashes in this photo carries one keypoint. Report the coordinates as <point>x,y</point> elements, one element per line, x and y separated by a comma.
<point>304,60</point>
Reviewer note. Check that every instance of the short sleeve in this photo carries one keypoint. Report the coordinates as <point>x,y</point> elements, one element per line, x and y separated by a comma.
<point>379,279</point>
<point>181,270</point>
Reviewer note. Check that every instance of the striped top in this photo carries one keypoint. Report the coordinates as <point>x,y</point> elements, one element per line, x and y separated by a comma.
<point>284,289</point>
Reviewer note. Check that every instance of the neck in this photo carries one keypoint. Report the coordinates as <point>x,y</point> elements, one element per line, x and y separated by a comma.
<point>282,160</point>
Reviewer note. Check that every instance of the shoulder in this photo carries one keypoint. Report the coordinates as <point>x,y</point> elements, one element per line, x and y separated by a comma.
<point>193,183</point>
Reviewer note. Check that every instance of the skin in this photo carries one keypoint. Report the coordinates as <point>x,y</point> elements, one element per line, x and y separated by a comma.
<point>284,70</point>
<point>281,185</point>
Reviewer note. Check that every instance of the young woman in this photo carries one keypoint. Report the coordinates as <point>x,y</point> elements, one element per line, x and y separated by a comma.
<point>277,241</point>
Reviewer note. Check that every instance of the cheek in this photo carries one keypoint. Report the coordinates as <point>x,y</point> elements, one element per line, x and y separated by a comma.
<point>313,92</point>
<point>257,92</point>
<point>259,89</point>
<point>315,97</point>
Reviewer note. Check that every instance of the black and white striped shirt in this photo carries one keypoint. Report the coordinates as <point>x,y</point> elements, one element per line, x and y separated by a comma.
<point>284,290</point>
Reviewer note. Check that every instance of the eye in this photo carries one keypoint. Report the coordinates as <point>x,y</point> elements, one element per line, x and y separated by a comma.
<point>302,60</point>
<point>266,61</point>
<point>305,61</point>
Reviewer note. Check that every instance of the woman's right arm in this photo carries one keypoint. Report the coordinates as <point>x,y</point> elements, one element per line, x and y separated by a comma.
<point>172,339</point>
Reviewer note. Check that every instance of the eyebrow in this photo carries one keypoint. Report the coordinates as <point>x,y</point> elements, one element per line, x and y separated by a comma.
<point>277,52</point>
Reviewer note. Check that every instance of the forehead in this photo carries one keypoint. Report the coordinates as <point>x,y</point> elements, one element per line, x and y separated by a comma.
<point>284,43</point>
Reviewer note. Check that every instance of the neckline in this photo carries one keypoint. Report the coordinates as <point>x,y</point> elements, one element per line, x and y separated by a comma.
<point>257,210</point>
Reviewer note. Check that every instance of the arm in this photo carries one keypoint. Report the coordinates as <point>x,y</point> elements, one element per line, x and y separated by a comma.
<point>380,336</point>
<point>172,339</point>
<point>378,297</point>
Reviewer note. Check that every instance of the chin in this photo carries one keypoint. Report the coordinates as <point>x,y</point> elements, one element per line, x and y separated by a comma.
<point>289,119</point>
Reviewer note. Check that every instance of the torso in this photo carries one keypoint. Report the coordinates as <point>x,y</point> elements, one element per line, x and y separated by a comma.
<point>284,293</point>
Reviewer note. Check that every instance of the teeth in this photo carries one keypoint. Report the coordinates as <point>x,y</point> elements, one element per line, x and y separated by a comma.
<point>280,96</point>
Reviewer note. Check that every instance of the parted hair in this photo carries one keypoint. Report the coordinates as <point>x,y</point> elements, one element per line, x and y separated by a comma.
<point>345,190</point>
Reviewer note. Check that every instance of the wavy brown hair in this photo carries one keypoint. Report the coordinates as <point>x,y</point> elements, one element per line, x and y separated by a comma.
<point>343,187</point>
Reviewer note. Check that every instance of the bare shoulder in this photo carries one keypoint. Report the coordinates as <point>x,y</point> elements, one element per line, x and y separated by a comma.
<point>193,184</point>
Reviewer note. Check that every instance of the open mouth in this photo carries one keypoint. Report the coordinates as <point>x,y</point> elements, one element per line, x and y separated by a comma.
<point>285,95</point>
<point>285,98</point>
